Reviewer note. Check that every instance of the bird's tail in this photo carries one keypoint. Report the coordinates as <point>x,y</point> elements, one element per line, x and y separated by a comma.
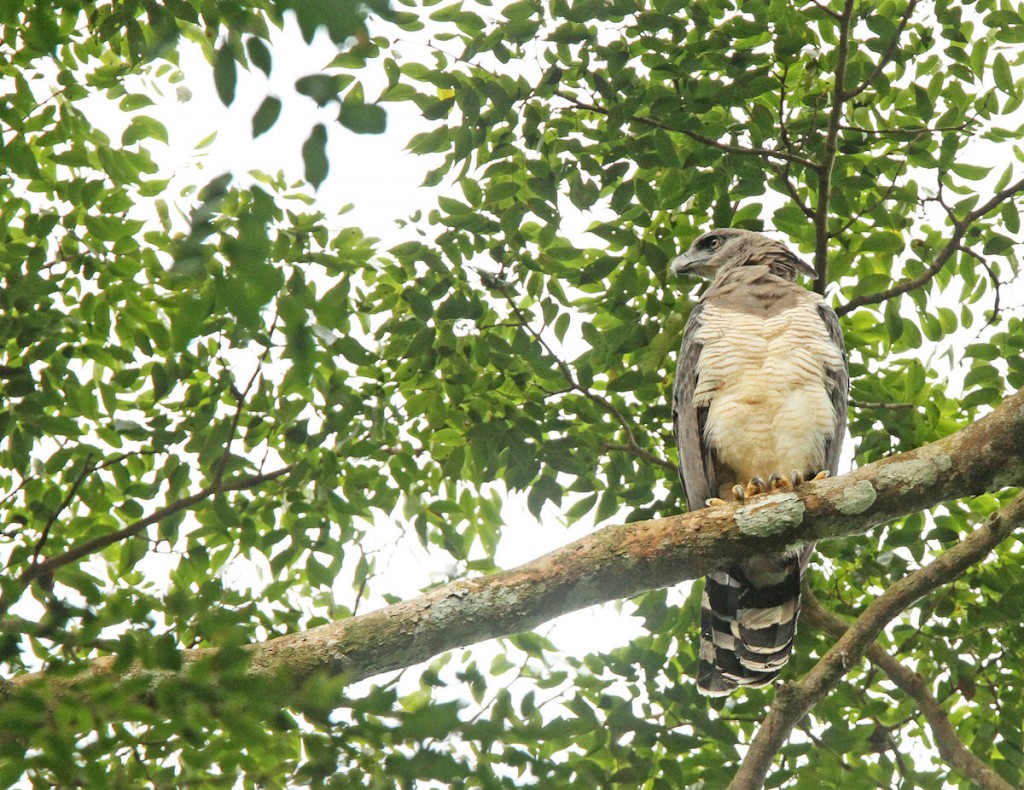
<point>748,622</point>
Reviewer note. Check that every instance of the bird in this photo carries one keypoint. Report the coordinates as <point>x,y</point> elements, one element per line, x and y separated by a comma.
<point>759,404</point>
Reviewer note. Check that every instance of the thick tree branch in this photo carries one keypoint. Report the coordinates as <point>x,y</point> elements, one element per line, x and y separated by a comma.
<point>624,560</point>
<point>793,701</point>
<point>950,747</point>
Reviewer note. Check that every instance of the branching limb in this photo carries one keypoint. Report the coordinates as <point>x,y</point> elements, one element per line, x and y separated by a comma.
<point>87,468</point>
<point>764,153</point>
<point>794,701</point>
<point>950,747</point>
<point>823,7</point>
<point>910,131</point>
<point>887,56</point>
<point>787,182</point>
<point>632,445</point>
<point>823,207</point>
<point>640,452</point>
<point>90,547</point>
<point>960,228</point>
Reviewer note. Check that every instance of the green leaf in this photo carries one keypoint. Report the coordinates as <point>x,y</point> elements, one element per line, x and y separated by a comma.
<point>266,115</point>
<point>321,88</point>
<point>314,155</point>
<point>142,128</point>
<point>1001,73</point>
<point>225,74</point>
<point>894,323</point>
<point>259,54</point>
<point>363,118</point>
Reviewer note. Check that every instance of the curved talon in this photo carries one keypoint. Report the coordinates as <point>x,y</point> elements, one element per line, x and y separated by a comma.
<point>822,475</point>
<point>739,492</point>
<point>755,486</point>
<point>714,502</point>
<point>777,482</point>
<point>797,478</point>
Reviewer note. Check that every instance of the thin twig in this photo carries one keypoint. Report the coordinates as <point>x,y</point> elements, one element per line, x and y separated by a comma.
<point>822,7</point>
<point>861,404</point>
<point>888,193</point>
<point>783,171</point>
<point>960,228</point>
<point>991,275</point>
<point>240,397</point>
<point>68,499</point>
<point>567,374</point>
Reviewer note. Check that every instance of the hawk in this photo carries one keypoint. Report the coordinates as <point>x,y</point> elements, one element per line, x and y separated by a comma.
<point>758,404</point>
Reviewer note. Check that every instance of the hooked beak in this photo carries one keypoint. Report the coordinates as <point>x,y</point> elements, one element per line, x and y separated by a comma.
<point>690,263</point>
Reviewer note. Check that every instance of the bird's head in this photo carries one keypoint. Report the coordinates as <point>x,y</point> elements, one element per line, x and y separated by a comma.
<point>724,249</point>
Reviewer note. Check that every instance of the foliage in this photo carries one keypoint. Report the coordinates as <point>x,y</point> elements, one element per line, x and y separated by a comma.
<point>245,386</point>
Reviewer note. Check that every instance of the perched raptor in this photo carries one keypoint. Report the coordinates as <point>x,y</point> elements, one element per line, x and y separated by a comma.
<point>759,404</point>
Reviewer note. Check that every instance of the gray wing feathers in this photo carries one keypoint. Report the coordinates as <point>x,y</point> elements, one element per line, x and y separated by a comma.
<point>696,464</point>
<point>839,382</point>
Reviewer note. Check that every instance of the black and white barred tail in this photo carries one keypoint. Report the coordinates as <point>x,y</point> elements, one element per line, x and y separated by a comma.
<point>748,622</point>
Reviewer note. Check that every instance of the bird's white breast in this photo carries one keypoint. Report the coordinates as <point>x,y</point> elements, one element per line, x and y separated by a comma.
<point>764,380</point>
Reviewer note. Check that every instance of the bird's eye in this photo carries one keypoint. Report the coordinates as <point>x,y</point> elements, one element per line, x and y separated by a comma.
<point>714,242</point>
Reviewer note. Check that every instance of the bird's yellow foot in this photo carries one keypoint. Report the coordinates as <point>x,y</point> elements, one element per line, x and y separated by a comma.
<point>714,502</point>
<point>822,475</point>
